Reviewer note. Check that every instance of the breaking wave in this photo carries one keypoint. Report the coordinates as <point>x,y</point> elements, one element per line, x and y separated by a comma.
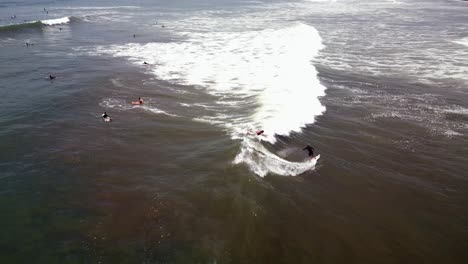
<point>37,24</point>
<point>269,70</point>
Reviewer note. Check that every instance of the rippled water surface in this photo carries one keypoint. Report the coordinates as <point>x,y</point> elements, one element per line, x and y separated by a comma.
<point>378,88</point>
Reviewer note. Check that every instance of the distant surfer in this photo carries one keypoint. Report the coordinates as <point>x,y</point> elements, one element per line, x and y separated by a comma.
<point>145,63</point>
<point>52,77</point>
<point>106,117</point>
<point>134,35</point>
<point>310,149</point>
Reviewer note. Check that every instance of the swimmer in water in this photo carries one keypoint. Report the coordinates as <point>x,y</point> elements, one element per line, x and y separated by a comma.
<point>140,100</point>
<point>52,77</point>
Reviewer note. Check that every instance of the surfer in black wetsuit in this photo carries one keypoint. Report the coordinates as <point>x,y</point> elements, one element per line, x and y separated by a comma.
<point>310,149</point>
<point>105,115</point>
<point>52,77</point>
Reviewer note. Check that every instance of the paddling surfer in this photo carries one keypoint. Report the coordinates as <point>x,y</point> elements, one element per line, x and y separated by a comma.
<point>258,132</point>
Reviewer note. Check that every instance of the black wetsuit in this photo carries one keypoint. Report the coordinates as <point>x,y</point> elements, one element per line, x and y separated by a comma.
<point>52,77</point>
<point>310,149</point>
<point>105,116</point>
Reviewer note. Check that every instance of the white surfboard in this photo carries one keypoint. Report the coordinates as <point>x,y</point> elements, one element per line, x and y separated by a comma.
<point>314,160</point>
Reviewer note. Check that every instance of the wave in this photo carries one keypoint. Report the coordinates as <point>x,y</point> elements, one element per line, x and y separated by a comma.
<point>269,72</point>
<point>37,24</point>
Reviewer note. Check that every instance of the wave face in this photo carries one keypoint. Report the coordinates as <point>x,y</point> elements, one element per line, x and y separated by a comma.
<point>22,26</point>
<point>265,78</point>
<point>37,24</point>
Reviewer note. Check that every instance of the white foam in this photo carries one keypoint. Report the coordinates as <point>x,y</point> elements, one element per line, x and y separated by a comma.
<point>153,109</point>
<point>262,162</point>
<point>57,21</point>
<point>457,110</point>
<point>451,133</point>
<point>115,103</point>
<point>272,67</point>
<point>463,41</point>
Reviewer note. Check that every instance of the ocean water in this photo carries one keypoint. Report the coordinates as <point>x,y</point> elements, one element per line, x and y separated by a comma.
<point>378,88</point>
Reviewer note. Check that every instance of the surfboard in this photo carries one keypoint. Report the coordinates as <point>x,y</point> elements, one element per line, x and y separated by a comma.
<point>316,157</point>
<point>135,103</point>
<point>107,119</point>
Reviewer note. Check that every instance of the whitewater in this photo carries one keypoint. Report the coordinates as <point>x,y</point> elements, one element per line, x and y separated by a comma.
<point>269,70</point>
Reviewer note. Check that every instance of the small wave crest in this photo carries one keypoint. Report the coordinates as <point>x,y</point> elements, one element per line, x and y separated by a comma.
<point>56,21</point>
<point>36,24</point>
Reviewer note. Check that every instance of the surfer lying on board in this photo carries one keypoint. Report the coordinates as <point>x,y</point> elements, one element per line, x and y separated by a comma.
<point>52,77</point>
<point>139,102</point>
<point>258,132</point>
<point>310,149</point>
